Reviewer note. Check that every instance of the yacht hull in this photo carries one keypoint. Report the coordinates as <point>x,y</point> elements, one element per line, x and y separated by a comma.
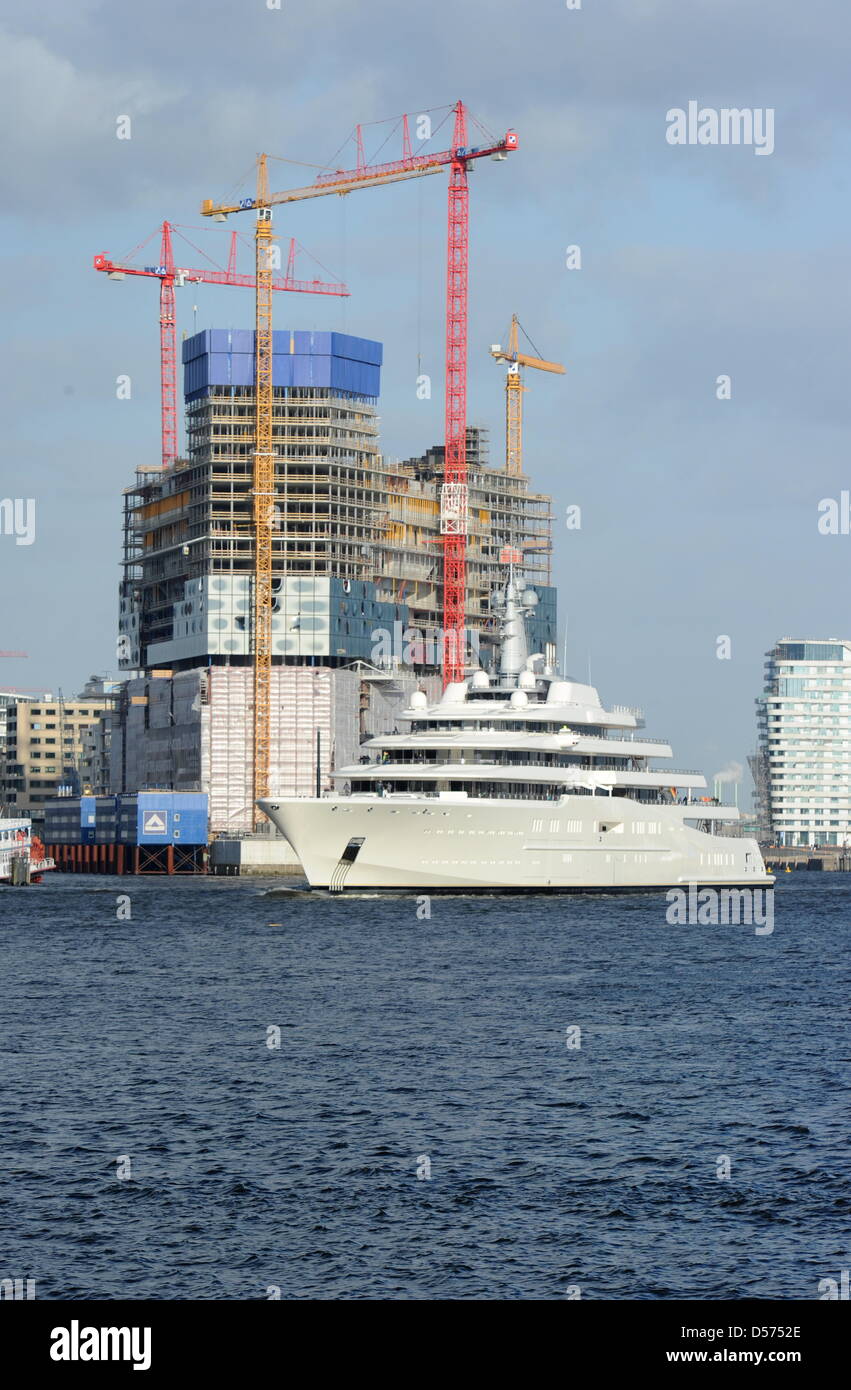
<point>579,844</point>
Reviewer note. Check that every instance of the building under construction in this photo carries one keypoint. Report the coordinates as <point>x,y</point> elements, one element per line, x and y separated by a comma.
<point>356,565</point>
<point>355,538</point>
<point>503,514</point>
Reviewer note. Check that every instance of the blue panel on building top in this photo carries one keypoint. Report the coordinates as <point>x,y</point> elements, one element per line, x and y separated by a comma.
<point>225,357</point>
<point>242,340</point>
<point>359,349</point>
<point>220,340</point>
<point>195,346</point>
<point>318,344</point>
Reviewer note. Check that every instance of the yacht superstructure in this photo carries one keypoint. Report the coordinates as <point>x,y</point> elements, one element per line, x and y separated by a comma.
<point>519,780</point>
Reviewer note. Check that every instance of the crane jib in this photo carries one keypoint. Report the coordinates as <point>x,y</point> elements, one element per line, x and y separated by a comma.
<point>345,181</point>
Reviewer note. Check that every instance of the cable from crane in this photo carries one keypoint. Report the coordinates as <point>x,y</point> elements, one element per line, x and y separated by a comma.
<point>480,126</point>
<point>373,158</point>
<point>419,279</point>
<point>244,181</point>
<point>538,352</point>
<point>199,249</point>
<point>394,127</point>
<point>303,163</point>
<point>156,232</point>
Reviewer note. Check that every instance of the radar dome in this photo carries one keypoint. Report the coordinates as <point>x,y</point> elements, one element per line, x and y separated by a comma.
<point>519,698</point>
<point>526,680</point>
<point>480,681</point>
<point>419,700</point>
<point>529,599</point>
<point>455,693</point>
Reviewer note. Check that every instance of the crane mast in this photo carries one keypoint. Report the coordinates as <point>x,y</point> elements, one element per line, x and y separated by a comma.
<point>168,349</point>
<point>454,493</point>
<point>514,389</point>
<point>263,486</point>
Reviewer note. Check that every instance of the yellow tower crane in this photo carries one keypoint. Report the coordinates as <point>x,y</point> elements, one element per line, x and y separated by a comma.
<point>264,484</point>
<point>514,389</point>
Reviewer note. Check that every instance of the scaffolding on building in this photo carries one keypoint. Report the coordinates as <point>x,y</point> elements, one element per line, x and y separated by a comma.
<point>341,510</point>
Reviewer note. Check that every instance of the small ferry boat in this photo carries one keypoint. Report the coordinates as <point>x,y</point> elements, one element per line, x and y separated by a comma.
<point>22,856</point>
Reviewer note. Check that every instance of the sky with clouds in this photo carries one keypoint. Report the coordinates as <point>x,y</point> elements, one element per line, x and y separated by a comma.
<point>699,516</point>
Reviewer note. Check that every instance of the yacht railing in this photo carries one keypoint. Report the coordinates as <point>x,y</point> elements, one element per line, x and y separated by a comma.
<point>543,793</point>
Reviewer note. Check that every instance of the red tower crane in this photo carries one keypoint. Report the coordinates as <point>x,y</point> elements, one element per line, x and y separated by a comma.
<point>454,496</point>
<point>169,276</point>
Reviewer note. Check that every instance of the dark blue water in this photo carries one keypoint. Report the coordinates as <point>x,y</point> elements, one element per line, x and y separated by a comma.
<point>296,1168</point>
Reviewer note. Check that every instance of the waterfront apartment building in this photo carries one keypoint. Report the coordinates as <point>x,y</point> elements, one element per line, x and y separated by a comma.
<point>802,769</point>
<point>9,698</point>
<point>54,745</point>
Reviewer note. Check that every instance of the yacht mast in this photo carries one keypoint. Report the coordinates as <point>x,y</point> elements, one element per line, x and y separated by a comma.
<point>512,607</point>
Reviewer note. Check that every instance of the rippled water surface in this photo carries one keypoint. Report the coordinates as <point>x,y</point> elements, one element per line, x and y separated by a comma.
<point>405,1039</point>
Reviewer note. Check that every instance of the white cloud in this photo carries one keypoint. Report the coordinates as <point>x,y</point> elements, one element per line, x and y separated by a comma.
<point>62,122</point>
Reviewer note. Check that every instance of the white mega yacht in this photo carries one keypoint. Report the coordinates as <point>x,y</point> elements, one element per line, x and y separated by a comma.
<point>516,781</point>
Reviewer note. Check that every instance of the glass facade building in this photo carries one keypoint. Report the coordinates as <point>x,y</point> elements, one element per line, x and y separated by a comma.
<point>804,727</point>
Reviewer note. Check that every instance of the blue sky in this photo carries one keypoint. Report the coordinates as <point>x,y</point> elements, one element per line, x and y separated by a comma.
<point>699,516</point>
